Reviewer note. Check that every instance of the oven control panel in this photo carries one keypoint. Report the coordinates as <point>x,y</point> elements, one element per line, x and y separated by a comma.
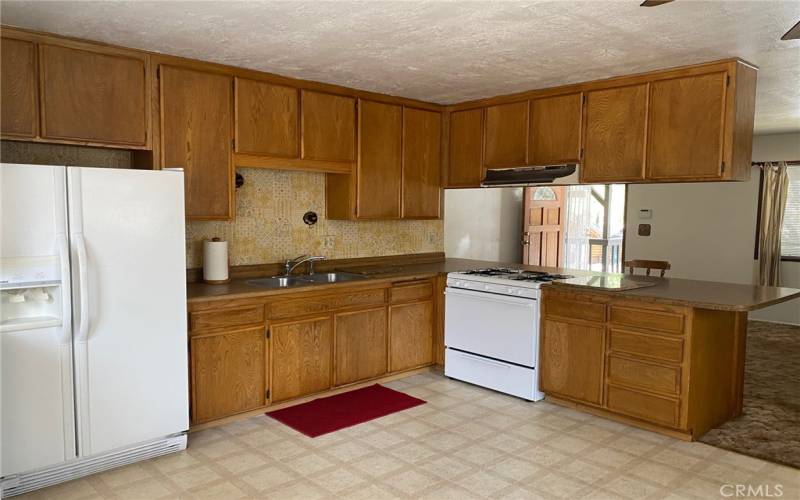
<point>496,288</point>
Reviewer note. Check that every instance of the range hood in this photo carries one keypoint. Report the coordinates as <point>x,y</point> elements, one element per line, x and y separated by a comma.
<point>526,176</point>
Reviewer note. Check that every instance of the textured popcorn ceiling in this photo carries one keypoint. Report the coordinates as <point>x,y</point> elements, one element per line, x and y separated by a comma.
<point>448,52</point>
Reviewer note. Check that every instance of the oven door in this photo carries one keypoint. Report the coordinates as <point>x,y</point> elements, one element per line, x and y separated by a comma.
<point>491,325</point>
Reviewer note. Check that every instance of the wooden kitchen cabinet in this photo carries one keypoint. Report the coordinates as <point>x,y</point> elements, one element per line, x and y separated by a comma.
<point>361,348</point>
<point>228,372</point>
<point>615,133</point>
<point>328,124</point>
<point>422,138</point>
<point>572,359</point>
<point>687,120</point>
<point>302,357</point>
<point>410,335</point>
<point>378,182</point>
<point>506,135</point>
<point>267,119</point>
<point>196,119</point>
<point>19,103</point>
<point>555,129</point>
<point>465,152</point>
<point>94,96</point>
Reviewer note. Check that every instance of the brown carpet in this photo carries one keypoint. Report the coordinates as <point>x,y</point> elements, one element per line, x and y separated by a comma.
<point>769,426</point>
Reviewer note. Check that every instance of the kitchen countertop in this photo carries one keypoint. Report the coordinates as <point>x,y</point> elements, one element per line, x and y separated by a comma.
<point>677,291</point>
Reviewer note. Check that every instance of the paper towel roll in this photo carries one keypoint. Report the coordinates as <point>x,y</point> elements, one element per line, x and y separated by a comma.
<point>215,261</point>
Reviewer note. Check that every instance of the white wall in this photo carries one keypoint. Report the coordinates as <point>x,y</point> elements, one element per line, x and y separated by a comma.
<point>707,230</point>
<point>483,224</point>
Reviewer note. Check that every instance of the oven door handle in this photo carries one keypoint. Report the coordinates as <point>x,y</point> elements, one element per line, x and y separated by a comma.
<point>491,297</point>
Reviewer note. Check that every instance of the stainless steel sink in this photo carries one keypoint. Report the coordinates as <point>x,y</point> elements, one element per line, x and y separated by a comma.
<point>331,277</point>
<point>278,282</point>
<point>304,280</point>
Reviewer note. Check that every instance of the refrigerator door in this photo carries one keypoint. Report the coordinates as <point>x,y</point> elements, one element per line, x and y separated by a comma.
<point>38,426</point>
<point>129,296</point>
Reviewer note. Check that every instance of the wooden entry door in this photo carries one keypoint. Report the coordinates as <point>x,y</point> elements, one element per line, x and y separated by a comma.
<point>543,230</point>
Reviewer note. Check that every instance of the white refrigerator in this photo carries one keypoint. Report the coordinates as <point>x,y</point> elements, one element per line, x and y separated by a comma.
<point>93,321</point>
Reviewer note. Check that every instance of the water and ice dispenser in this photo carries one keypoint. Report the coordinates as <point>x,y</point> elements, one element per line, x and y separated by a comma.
<point>30,293</point>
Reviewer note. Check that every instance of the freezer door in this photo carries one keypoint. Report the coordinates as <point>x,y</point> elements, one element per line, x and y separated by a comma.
<point>38,426</point>
<point>129,295</point>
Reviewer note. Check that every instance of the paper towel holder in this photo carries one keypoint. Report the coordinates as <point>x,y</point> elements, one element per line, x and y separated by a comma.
<point>227,265</point>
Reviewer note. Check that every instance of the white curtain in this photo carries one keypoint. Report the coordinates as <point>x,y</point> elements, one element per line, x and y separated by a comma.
<point>773,203</point>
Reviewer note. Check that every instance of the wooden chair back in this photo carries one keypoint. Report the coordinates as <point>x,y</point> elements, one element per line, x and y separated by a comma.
<point>663,265</point>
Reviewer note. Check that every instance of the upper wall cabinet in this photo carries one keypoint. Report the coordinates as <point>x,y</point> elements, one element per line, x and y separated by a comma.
<point>106,89</point>
<point>615,130</point>
<point>506,135</point>
<point>465,154</point>
<point>329,127</point>
<point>380,131</point>
<point>19,105</point>
<point>422,139</point>
<point>555,129</point>
<point>65,91</point>
<point>196,118</point>
<point>267,119</point>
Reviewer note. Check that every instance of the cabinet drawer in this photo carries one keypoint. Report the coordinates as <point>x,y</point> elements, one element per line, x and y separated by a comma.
<point>655,409</point>
<point>664,321</point>
<point>589,311</point>
<point>407,292</point>
<point>314,305</point>
<point>225,318</point>
<point>648,376</point>
<point>647,344</point>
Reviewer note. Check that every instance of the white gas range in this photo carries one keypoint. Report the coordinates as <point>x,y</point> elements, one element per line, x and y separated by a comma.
<point>492,329</point>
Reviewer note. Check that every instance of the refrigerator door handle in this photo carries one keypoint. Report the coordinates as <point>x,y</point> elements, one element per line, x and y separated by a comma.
<point>66,305</point>
<point>83,277</point>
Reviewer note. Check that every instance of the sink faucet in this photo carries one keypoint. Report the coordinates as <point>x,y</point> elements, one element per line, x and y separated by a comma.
<point>290,265</point>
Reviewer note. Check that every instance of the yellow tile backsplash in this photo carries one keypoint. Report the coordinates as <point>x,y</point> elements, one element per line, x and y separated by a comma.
<point>269,225</point>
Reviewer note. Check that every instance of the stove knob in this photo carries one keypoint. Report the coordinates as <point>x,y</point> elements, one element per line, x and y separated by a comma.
<point>511,290</point>
<point>485,287</point>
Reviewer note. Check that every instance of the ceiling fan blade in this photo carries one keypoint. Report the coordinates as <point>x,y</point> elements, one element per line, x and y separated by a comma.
<point>793,33</point>
<point>654,3</point>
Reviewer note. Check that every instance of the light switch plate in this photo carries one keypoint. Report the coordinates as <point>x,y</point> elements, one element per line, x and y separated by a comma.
<point>645,213</point>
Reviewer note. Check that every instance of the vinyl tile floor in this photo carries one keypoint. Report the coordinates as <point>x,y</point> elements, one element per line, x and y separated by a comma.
<point>466,443</point>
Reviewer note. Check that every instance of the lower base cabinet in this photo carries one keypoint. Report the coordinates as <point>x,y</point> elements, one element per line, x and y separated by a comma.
<point>228,373</point>
<point>360,345</point>
<point>411,335</point>
<point>301,361</point>
<point>572,360</point>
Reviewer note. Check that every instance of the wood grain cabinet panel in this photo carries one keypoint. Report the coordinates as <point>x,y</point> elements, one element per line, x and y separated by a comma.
<point>380,128</point>
<point>196,119</point>
<point>228,373</point>
<point>18,102</point>
<point>555,129</point>
<point>644,375</point>
<point>506,135</point>
<point>647,345</point>
<point>328,126</point>
<point>656,409</point>
<point>572,357</point>
<point>615,131</point>
<point>227,317</point>
<point>267,119</point>
<point>361,348</point>
<point>687,121</point>
<point>422,138</point>
<point>301,357</point>
<point>664,321</point>
<point>94,97</point>
<point>410,335</point>
<point>465,153</point>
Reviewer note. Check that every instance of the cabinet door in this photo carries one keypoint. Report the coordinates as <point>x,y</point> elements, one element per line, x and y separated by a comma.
<point>465,160</point>
<point>422,138</point>
<point>572,360</point>
<point>506,135</point>
<point>93,96</point>
<point>687,119</point>
<point>360,345</point>
<point>380,130</point>
<point>196,116</point>
<point>555,130</point>
<point>266,119</point>
<point>228,373</point>
<point>329,126</point>
<point>18,89</point>
<point>301,358</point>
<point>410,335</point>
<point>614,142</point>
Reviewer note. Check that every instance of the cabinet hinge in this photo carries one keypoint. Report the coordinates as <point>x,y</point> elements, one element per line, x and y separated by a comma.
<point>583,98</point>
<point>581,153</point>
<point>233,143</point>
<point>727,80</point>
<point>266,394</point>
<point>722,167</point>
<point>266,333</point>
<point>158,72</point>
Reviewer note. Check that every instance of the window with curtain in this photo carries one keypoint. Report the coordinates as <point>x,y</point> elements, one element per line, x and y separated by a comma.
<point>790,231</point>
